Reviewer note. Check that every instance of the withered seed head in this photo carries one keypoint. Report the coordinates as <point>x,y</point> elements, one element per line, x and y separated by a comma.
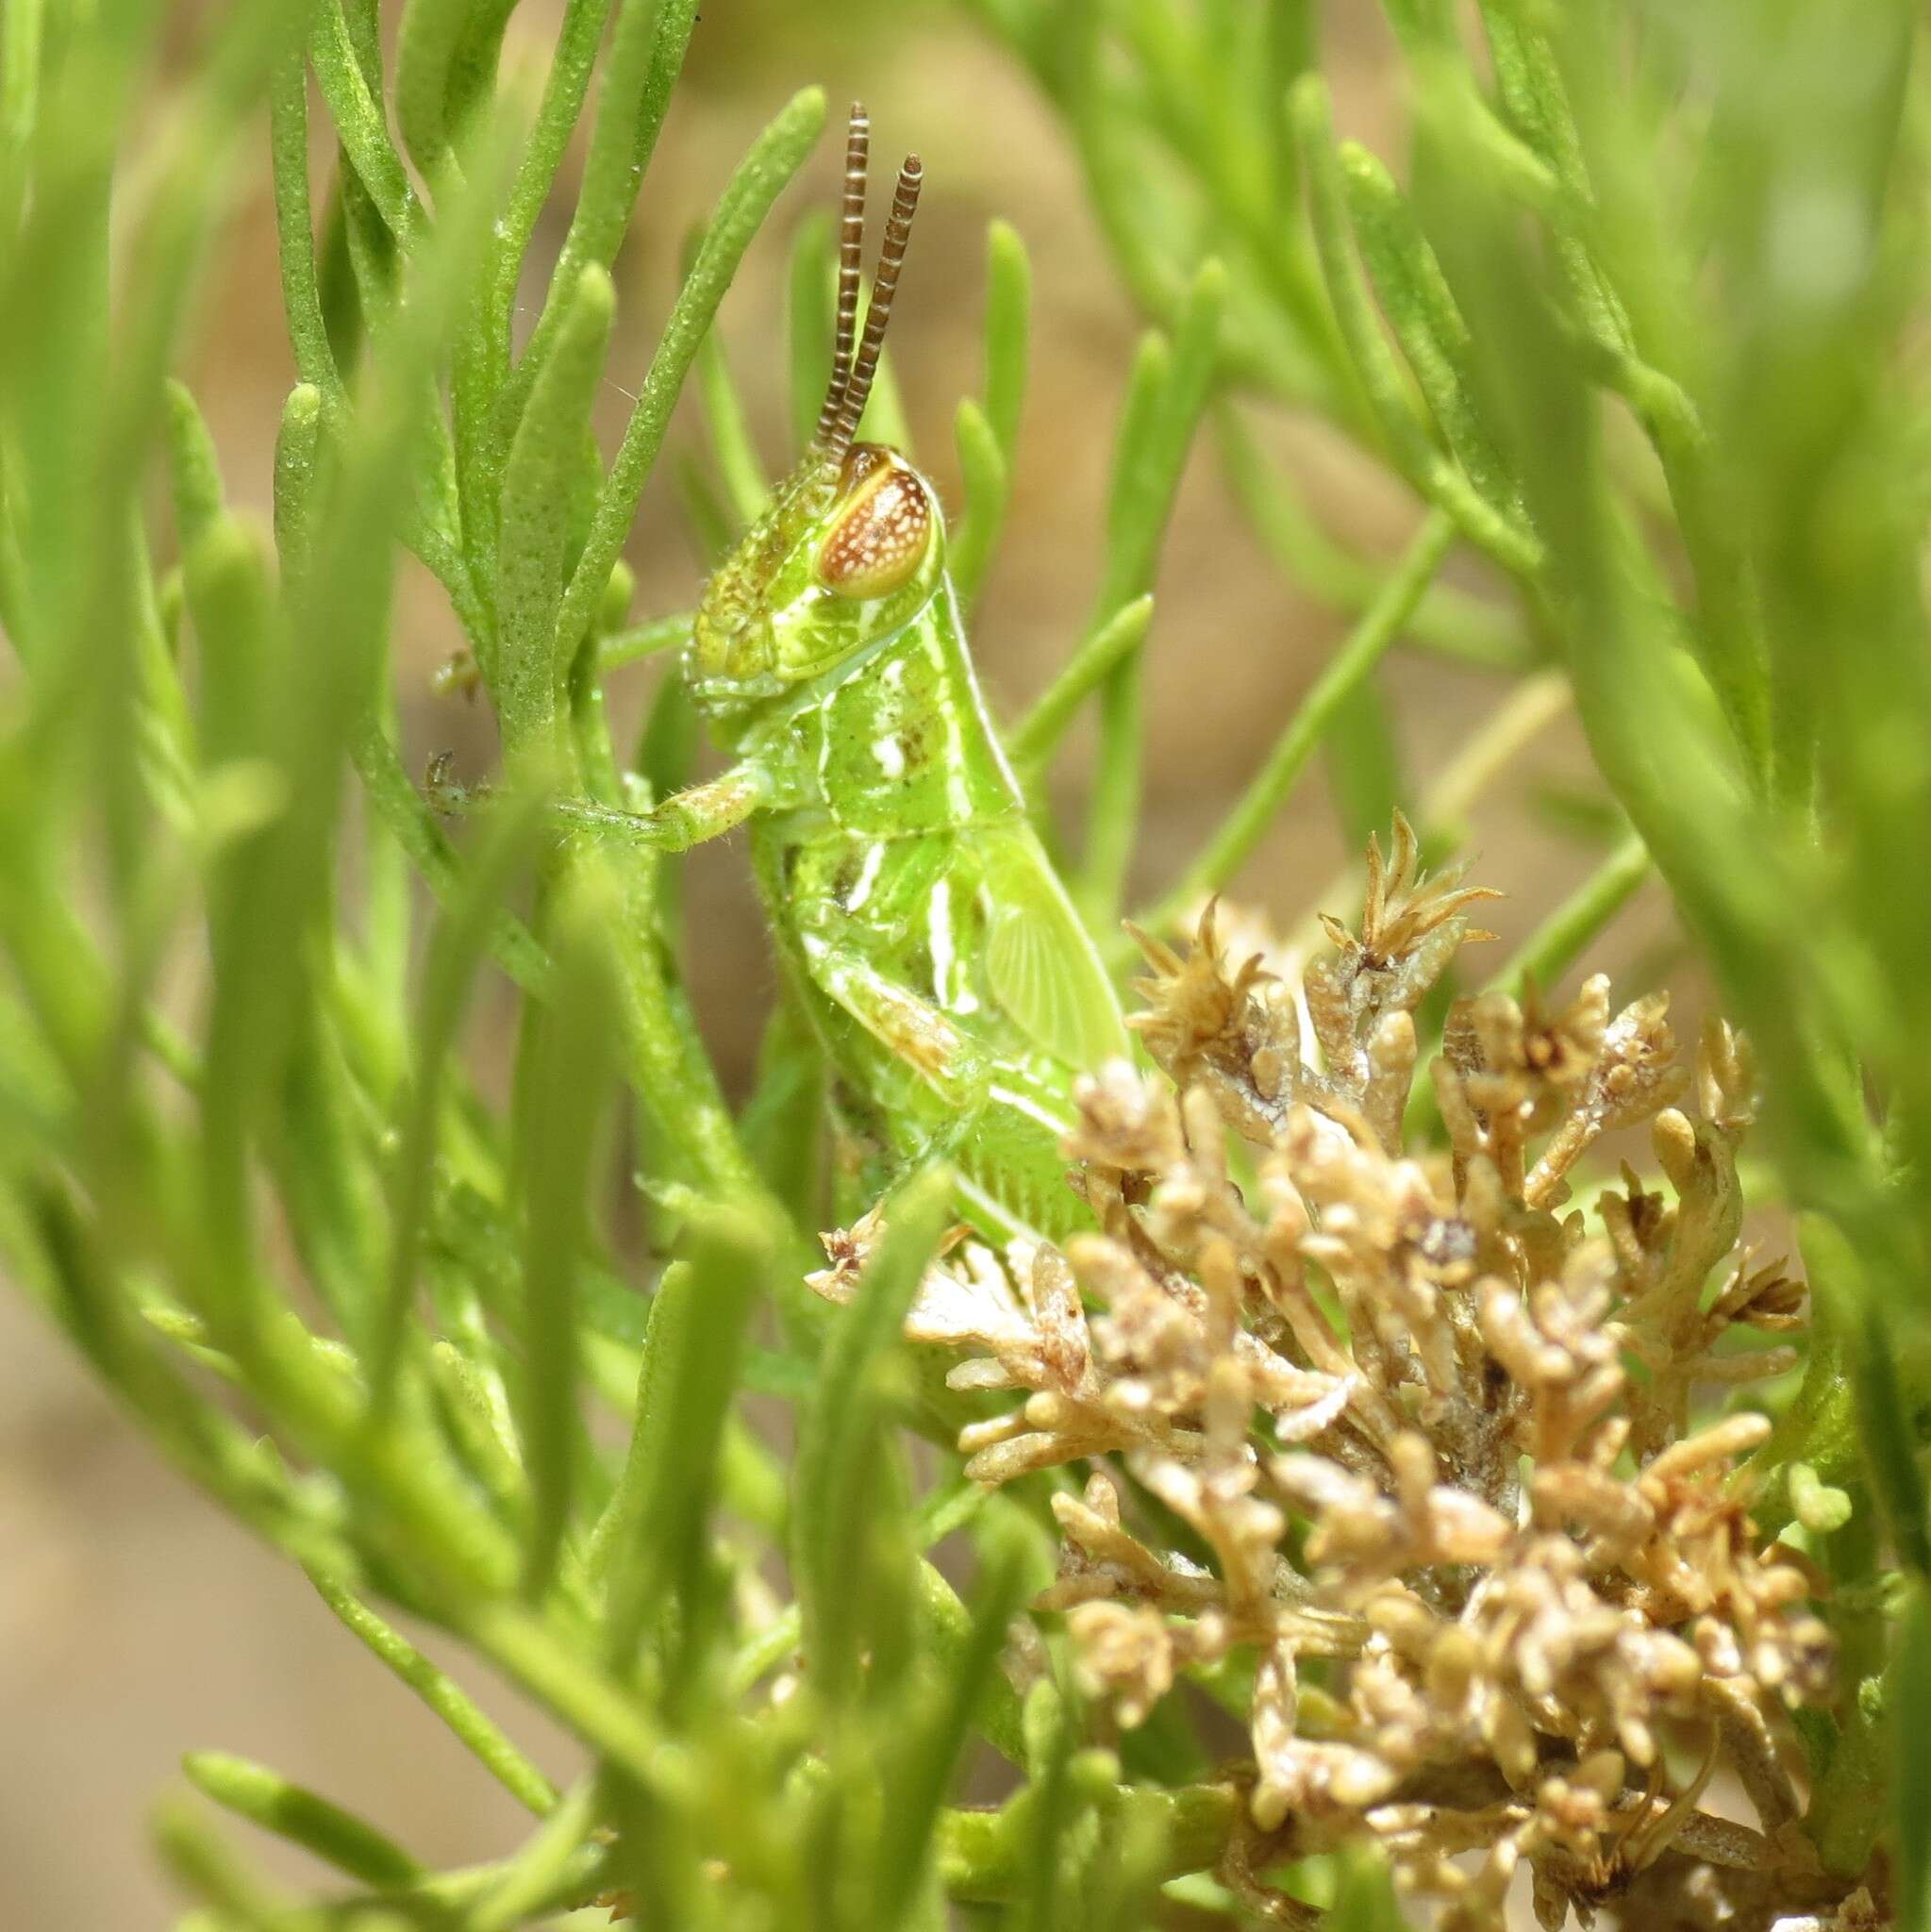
<point>1529,1564</point>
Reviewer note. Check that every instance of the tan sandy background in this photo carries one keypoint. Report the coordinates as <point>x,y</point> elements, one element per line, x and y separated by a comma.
<point>136,1623</point>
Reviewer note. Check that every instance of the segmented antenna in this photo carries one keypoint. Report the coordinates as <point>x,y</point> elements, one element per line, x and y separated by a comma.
<point>851,376</point>
<point>850,263</point>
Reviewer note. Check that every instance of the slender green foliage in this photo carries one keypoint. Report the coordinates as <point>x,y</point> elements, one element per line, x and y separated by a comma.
<point>1296,744</point>
<point>346,1842</point>
<point>1630,318</point>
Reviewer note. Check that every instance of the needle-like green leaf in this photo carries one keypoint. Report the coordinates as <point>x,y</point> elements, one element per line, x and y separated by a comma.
<point>565,1085</point>
<point>988,483</point>
<point>774,158</point>
<point>360,121</point>
<point>1009,327</point>
<point>425,49</point>
<point>533,656</point>
<point>255,1792</point>
<point>649,1547</point>
<point>1163,409</point>
<point>1243,828</point>
<point>835,1551</point>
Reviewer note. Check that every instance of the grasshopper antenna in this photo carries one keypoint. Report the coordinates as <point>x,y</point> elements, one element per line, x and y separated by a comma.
<point>851,265</point>
<point>892,255</point>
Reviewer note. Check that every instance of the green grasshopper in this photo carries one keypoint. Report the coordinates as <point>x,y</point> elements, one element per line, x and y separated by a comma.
<point>954,988</point>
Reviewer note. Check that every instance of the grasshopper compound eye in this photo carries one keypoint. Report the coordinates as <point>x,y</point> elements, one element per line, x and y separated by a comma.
<point>880,536</point>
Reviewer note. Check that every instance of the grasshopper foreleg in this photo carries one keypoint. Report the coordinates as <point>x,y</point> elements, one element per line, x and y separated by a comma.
<point>685,819</point>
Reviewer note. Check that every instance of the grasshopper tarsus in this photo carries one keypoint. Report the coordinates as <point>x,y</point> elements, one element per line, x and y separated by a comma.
<point>445,793</point>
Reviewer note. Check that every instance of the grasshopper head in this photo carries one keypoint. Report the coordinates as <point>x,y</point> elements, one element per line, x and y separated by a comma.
<point>852,543</point>
<point>845,554</point>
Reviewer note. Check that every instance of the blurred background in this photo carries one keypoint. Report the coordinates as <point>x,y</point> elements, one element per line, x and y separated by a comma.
<point>135,1622</point>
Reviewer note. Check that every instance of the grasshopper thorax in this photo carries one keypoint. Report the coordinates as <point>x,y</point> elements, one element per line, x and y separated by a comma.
<point>852,544</point>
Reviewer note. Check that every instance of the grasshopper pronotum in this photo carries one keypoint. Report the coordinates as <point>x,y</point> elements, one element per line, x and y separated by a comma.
<point>920,921</point>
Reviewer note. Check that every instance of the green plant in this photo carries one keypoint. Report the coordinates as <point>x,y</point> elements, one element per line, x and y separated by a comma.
<point>1470,1562</point>
<point>361,1305</point>
<point>371,1310</point>
<point>1634,319</point>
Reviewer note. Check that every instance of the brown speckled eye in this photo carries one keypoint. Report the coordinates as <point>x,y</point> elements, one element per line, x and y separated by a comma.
<point>880,537</point>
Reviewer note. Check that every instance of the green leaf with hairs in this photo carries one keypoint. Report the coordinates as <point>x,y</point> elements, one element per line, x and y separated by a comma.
<point>532,656</point>
<point>842,1552</point>
<point>350,1843</point>
<point>564,1085</point>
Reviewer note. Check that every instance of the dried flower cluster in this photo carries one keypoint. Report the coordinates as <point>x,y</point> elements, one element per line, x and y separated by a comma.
<point>1431,1433</point>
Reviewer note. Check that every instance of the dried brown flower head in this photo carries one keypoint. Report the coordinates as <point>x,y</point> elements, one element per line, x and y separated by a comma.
<point>1436,1435</point>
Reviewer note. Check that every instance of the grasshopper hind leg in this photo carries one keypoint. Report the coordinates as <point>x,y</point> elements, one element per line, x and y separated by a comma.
<point>933,1094</point>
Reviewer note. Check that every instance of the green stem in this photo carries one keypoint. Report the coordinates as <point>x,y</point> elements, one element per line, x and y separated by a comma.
<point>1244,826</point>
<point>984,1856</point>
<point>476,1732</point>
<point>550,1665</point>
<point>360,121</point>
<point>1034,738</point>
<point>1163,409</point>
<point>646,55</point>
<point>542,1873</point>
<point>1556,944</point>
